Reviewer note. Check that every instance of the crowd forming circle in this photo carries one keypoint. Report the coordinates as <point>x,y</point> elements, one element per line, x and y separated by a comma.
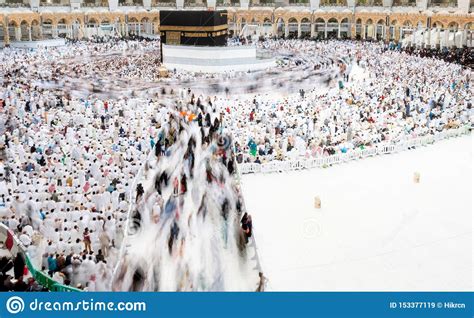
<point>79,121</point>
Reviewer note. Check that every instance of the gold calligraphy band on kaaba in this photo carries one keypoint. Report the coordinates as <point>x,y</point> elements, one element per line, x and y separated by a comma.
<point>193,28</point>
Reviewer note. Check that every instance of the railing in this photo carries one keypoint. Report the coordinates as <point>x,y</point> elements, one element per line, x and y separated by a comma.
<point>14,5</point>
<point>163,4</point>
<point>452,4</point>
<point>238,177</point>
<point>263,4</point>
<point>299,4</point>
<point>40,277</point>
<point>323,162</point>
<point>195,5</point>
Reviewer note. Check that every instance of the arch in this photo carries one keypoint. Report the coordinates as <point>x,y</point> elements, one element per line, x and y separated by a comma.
<point>333,20</point>
<point>407,23</point>
<point>92,22</point>
<point>12,33</point>
<point>280,27</point>
<point>62,27</point>
<point>47,28</point>
<point>319,20</point>
<point>305,27</point>
<point>145,26</point>
<point>453,25</point>
<point>369,22</point>
<point>380,29</point>
<point>24,31</point>
<point>35,30</point>
<point>320,28</point>
<point>292,25</point>
<point>438,24</point>
<point>132,20</point>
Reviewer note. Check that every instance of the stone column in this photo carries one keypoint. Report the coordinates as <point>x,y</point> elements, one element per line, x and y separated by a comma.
<point>362,31</point>
<point>428,39</point>
<point>299,30</point>
<point>275,29</point>
<point>54,31</point>
<point>211,4</point>
<point>422,4</point>
<point>6,33</point>
<point>339,31</point>
<point>34,4</point>
<point>464,37</point>
<point>314,4</point>
<point>438,31</point>
<point>18,33</point>
<point>313,30</point>
<point>29,33</point>
<point>397,33</point>
<point>463,6</point>
<point>287,30</point>
<point>325,30</point>
<point>244,4</point>
<point>447,32</point>
<point>113,5</point>
<point>353,31</point>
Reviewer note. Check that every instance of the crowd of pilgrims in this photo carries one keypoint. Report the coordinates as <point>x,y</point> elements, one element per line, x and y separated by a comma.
<point>188,199</point>
<point>463,56</point>
<point>387,97</point>
<point>69,150</point>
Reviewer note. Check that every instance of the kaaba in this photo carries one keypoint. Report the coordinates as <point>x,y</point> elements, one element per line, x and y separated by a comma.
<point>194,28</point>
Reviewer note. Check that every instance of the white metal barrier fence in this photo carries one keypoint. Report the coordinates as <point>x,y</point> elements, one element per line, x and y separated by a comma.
<point>322,162</point>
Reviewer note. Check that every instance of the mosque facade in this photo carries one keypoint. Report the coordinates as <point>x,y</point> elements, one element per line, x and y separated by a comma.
<point>31,20</point>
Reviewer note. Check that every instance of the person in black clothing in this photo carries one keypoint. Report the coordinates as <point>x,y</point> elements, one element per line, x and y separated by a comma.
<point>247,226</point>
<point>99,257</point>
<point>20,285</point>
<point>19,265</point>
